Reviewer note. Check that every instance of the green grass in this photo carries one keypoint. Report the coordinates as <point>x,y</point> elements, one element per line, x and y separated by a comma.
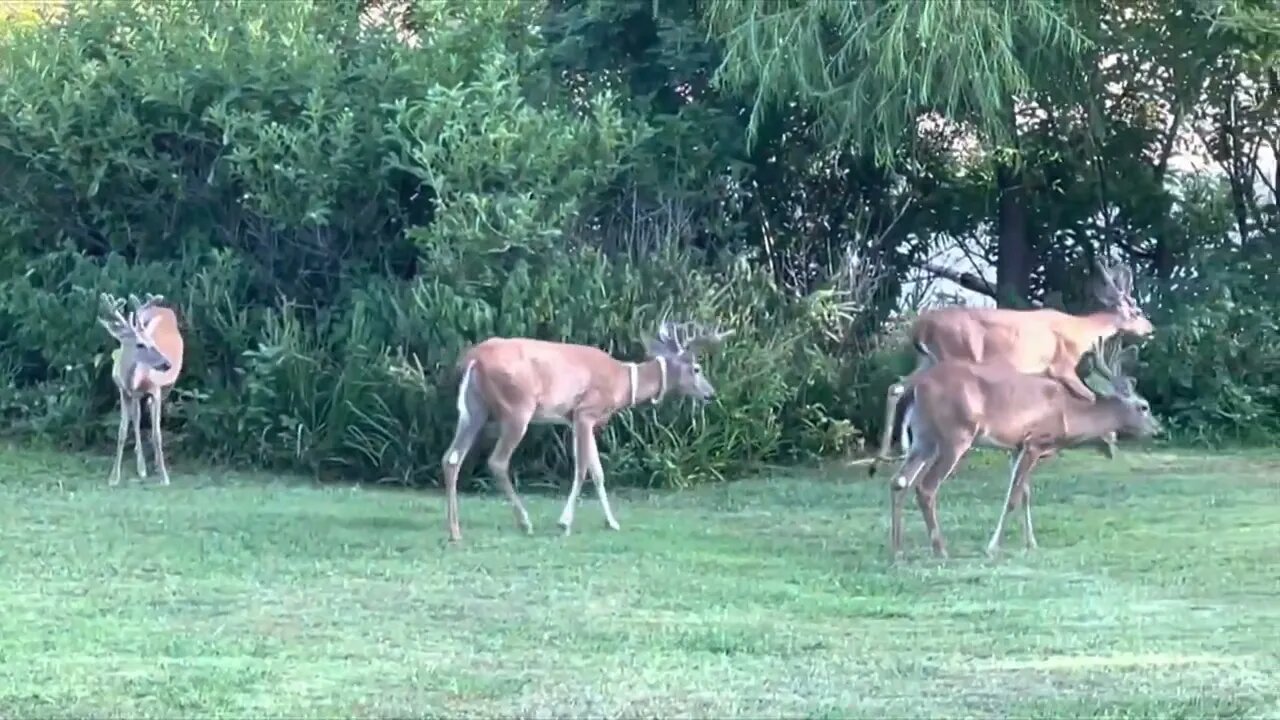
<point>1154,594</point>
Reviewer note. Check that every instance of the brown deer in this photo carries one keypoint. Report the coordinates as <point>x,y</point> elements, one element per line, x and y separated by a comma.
<point>1040,341</point>
<point>513,382</point>
<point>145,366</point>
<point>955,405</point>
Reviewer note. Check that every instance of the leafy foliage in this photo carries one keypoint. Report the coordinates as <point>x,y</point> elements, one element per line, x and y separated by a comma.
<point>338,205</point>
<point>337,216</point>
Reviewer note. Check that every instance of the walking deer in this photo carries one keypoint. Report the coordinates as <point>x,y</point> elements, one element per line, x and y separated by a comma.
<point>513,382</point>
<point>955,405</point>
<point>1041,341</point>
<point>145,366</point>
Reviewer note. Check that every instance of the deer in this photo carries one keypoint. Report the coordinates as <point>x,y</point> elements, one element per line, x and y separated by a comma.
<point>515,382</point>
<point>144,367</point>
<point>955,405</point>
<point>1038,341</point>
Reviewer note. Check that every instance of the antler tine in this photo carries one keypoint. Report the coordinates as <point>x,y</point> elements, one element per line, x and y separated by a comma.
<point>1114,365</point>
<point>1104,356</point>
<point>1126,358</point>
<point>665,330</point>
<point>1123,275</point>
<point>1106,274</point>
<point>682,333</point>
<point>112,311</point>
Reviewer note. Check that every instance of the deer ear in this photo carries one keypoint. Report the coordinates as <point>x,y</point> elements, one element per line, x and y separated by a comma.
<point>1123,386</point>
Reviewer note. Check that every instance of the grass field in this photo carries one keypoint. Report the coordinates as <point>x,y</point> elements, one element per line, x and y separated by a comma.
<point>1155,593</point>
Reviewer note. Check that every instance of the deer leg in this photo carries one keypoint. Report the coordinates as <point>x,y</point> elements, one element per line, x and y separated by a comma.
<point>513,430</point>
<point>135,412</point>
<point>927,494</point>
<point>157,439</point>
<point>1028,533</point>
<point>469,426</point>
<point>1018,470</point>
<point>581,436</point>
<point>1108,445</point>
<point>892,397</point>
<point>903,481</point>
<point>597,475</point>
<point>122,436</point>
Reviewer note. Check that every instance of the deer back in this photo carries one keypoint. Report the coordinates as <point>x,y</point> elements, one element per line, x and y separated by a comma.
<point>1001,405</point>
<point>1028,340</point>
<point>552,379</point>
<point>162,324</point>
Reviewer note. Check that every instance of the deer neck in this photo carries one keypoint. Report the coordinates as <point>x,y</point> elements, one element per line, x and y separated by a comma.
<point>648,380</point>
<point>126,369</point>
<point>1090,420</point>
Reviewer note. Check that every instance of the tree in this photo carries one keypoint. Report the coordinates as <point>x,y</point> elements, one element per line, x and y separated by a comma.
<point>872,72</point>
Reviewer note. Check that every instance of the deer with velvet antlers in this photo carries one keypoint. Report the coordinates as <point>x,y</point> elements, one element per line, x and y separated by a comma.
<point>513,382</point>
<point>955,405</point>
<point>1040,341</point>
<point>144,367</point>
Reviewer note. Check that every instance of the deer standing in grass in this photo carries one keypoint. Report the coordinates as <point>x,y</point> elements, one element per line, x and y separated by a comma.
<point>1041,341</point>
<point>955,405</point>
<point>513,382</point>
<point>145,366</point>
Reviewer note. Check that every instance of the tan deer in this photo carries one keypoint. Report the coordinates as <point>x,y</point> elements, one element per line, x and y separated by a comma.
<point>955,405</point>
<point>145,366</point>
<point>1040,341</point>
<point>513,382</point>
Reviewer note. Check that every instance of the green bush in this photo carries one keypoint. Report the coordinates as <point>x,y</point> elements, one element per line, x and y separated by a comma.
<point>336,216</point>
<point>1213,368</point>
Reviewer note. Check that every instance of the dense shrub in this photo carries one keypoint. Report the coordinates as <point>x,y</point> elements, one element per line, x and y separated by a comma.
<point>1213,369</point>
<point>337,216</point>
<point>337,211</point>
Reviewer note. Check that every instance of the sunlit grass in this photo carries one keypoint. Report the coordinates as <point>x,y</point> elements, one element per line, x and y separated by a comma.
<point>1154,594</point>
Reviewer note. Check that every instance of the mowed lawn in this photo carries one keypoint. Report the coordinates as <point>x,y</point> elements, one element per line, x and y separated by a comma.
<point>1155,593</point>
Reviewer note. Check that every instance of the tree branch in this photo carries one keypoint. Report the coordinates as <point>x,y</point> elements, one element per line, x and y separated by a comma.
<point>969,281</point>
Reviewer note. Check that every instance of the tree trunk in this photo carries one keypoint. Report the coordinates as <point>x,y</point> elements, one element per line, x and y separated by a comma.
<point>1013,247</point>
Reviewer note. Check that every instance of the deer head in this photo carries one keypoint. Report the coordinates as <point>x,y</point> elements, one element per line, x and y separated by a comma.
<point>134,338</point>
<point>1134,412</point>
<point>1113,288</point>
<point>679,346</point>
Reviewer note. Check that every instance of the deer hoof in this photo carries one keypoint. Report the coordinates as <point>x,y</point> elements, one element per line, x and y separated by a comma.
<point>612,525</point>
<point>993,551</point>
<point>566,527</point>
